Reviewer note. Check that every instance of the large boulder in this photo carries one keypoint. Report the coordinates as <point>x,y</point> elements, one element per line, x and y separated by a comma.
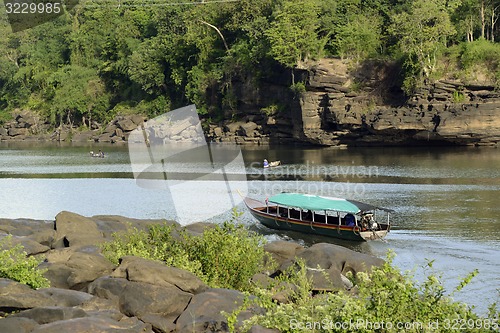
<point>17,325</point>
<point>75,230</point>
<point>157,305</point>
<point>65,297</point>
<point>109,224</point>
<point>29,246</point>
<point>75,270</point>
<point>94,325</point>
<point>249,128</point>
<point>126,124</point>
<point>108,288</point>
<point>45,315</point>
<point>143,270</point>
<point>37,230</point>
<point>328,264</point>
<point>15,296</point>
<point>204,313</point>
<point>282,251</point>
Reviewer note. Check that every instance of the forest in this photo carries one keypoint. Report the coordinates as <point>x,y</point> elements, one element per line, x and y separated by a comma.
<point>108,57</point>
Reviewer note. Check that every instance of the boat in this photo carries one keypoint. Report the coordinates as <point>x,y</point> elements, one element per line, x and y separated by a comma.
<point>99,154</point>
<point>271,164</point>
<point>319,215</point>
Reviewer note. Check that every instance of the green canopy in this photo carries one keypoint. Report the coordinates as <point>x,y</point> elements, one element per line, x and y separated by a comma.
<point>314,202</point>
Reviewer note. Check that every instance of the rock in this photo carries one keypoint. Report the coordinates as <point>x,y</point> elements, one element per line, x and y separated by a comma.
<point>143,270</point>
<point>18,131</point>
<point>82,136</point>
<point>126,124</point>
<point>45,315</point>
<point>17,325</point>
<point>157,305</point>
<point>94,325</point>
<point>65,297</point>
<point>137,119</point>
<point>75,270</point>
<point>218,132</point>
<point>76,230</point>
<point>233,128</point>
<point>327,262</point>
<point>196,229</point>
<point>119,132</point>
<point>29,246</point>
<point>282,251</point>
<point>15,296</point>
<point>108,224</point>
<point>204,311</point>
<point>249,128</point>
<point>108,288</point>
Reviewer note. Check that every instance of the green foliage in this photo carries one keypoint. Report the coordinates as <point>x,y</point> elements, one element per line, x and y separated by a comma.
<point>383,297</point>
<point>458,97</point>
<point>15,265</point>
<point>360,37</point>
<point>298,88</point>
<point>90,62</point>
<point>482,57</point>
<point>225,256</point>
<point>272,109</point>
<point>292,34</point>
<point>421,33</point>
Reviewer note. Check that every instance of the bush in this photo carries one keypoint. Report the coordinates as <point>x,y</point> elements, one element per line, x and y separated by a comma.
<point>15,265</point>
<point>482,56</point>
<point>383,301</point>
<point>224,256</point>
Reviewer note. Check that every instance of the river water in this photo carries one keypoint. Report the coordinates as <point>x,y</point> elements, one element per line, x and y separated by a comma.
<point>446,200</point>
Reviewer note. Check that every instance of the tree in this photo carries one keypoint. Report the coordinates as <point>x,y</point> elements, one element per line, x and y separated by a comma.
<point>422,31</point>
<point>292,34</point>
<point>360,37</point>
<point>76,92</point>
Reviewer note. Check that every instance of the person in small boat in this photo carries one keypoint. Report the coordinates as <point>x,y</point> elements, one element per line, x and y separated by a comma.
<point>266,163</point>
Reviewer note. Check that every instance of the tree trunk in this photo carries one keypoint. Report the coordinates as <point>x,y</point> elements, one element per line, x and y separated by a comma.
<point>218,31</point>
<point>483,20</point>
<point>494,19</point>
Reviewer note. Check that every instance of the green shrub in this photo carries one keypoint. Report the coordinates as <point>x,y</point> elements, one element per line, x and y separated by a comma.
<point>383,301</point>
<point>298,88</point>
<point>224,256</point>
<point>458,97</point>
<point>481,52</point>
<point>15,265</point>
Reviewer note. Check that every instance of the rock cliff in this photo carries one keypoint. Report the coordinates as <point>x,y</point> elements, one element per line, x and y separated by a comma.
<point>337,110</point>
<point>335,106</point>
<point>363,107</point>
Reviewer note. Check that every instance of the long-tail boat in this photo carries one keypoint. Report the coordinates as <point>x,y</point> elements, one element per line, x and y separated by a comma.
<point>319,215</point>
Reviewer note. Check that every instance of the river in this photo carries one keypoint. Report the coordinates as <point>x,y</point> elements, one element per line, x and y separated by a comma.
<point>446,200</point>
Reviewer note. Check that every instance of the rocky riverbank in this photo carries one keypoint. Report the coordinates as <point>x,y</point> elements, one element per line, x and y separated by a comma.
<point>336,106</point>
<point>89,294</point>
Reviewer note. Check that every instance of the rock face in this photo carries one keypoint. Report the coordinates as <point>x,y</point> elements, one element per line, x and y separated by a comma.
<point>363,108</point>
<point>27,126</point>
<point>445,112</point>
<point>337,106</point>
<point>90,294</point>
